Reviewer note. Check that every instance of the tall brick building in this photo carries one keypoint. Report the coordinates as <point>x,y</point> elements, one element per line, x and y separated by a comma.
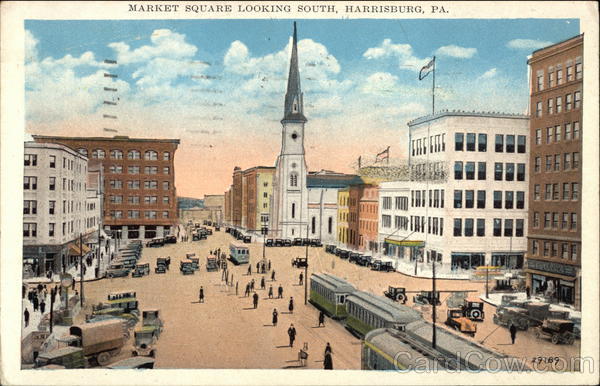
<point>140,199</point>
<point>554,231</point>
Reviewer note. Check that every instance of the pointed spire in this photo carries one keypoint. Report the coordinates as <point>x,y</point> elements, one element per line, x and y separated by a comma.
<point>294,109</point>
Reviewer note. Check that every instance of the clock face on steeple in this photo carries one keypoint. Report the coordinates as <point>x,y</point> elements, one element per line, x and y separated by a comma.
<point>294,135</point>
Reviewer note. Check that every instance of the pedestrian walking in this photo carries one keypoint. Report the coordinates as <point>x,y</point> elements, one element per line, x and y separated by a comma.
<point>201,295</point>
<point>275,314</point>
<point>301,277</point>
<point>273,275</point>
<point>26,316</point>
<point>263,268</point>
<point>291,305</point>
<point>513,333</point>
<point>258,267</point>
<point>249,270</point>
<point>247,293</point>
<point>271,292</point>
<point>252,285</point>
<point>42,306</point>
<point>269,264</point>
<point>262,283</point>
<point>321,319</point>
<point>328,349</point>
<point>255,300</point>
<point>35,303</point>
<point>280,292</point>
<point>23,291</point>
<point>236,288</point>
<point>528,292</point>
<point>292,334</point>
<point>328,362</point>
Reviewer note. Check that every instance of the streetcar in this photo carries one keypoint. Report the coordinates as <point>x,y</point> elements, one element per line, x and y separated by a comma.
<point>328,293</point>
<point>239,254</point>
<point>367,312</point>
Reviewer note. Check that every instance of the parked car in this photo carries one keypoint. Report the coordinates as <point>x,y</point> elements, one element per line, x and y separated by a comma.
<point>186,268</point>
<point>316,243</point>
<point>287,243</point>
<point>211,264</point>
<point>365,260</point>
<point>297,242</point>
<point>117,270</point>
<point>455,319</point>
<point>156,242</point>
<point>269,243</point>
<point>344,254</point>
<point>353,257</point>
<point>427,298</point>
<point>300,262</point>
<point>279,242</point>
<point>379,265</point>
<point>247,239</point>
<point>473,309</point>
<point>329,248</point>
<point>396,293</point>
<point>558,330</point>
<point>170,239</point>
<point>305,242</point>
<point>141,270</point>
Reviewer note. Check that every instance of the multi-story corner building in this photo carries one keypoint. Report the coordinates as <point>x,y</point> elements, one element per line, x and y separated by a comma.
<point>342,216</point>
<point>257,195</point>
<point>554,237</point>
<point>323,187</point>
<point>362,212</point>
<point>475,214</point>
<point>140,199</point>
<point>394,198</point>
<point>55,211</point>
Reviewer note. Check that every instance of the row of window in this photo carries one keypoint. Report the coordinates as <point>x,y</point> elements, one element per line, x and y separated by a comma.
<point>437,143</point>
<point>135,184</point>
<point>136,199</point>
<point>118,169</point>
<point>481,145</point>
<point>30,183</point>
<point>151,214</point>
<point>149,155</point>
<point>554,134</point>
<point>30,228</point>
<point>400,222</point>
<point>572,101</point>
<point>434,225</point>
<point>32,160</point>
<point>567,250</point>
<point>436,198</point>
<point>466,227</point>
<point>555,74</point>
<point>401,203</point>
<point>469,199</point>
<point>568,221</point>
<point>30,207</point>
<point>501,170</point>
<point>570,192</point>
<point>570,162</point>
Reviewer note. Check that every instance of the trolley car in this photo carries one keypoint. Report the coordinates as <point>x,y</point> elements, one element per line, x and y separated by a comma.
<point>328,293</point>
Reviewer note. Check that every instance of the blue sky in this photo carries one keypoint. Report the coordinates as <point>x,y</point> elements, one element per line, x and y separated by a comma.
<point>219,84</point>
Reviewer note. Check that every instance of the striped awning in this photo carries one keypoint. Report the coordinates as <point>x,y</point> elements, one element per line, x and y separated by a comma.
<point>75,251</point>
<point>406,243</point>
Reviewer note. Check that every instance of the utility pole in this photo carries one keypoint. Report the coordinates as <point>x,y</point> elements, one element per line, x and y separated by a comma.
<point>306,272</point>
<point>81,270</point>
<point>433,337</point>
<point>487,275</point>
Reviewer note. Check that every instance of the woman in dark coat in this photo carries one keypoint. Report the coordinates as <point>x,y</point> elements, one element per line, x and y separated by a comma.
<point>328,362</point>
<point>291,306</point>
<point>275,314</point>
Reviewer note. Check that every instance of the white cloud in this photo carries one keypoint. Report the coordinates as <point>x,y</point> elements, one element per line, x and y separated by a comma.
<point>403,52</point>
<point>31,52</point>
<point>379,83</point>
<point>527,44</point>
<point>456,51</point>
<point>492,72</point>
<point>165,43</point>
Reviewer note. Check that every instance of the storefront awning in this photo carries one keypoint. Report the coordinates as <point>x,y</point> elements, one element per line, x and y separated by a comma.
<point>75,251</point>
<point>405,243</point>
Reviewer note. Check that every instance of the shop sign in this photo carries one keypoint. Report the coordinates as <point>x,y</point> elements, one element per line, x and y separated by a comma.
<point>552,267</point>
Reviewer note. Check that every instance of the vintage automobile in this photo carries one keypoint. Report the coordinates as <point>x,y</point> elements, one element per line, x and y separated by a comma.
<point>300,262</point>
<point>427,298</point>
<point>473,309</point>
<point>353,257</point>
<point>161,265</point>
<point>98,341</point>
<point>239,254</point>
<point>316,243</point>
<point>186,268</point>
<point>133,363</point>
<point>170,239</point>
<point>151,318</point>
<point>396,293</point>
<point>287,243</point>
<point>305,242</point>
<point>279,242</point>
<point>209,231</point>
<point>269,243</point>
<point>344,254</point>
<point>558,330</point>
<point>195,236</point>
<point>217,228</point>
<point>379,265</point>
<point>117,270</point>
<point>227,230</point>
<point>156,242</point>
<point>240,236</point>
<point>297,242</point>
<point>141,270</point>
<point>507,316</point>
<point>455,319</point>
<point>68,357</point>
<point>247,239</point>
<point>212,264</point>
<point>195,262</point>
<point>365,260</point>
<point>329,248</point>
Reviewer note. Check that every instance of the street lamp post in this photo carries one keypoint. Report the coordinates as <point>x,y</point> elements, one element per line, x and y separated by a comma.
<point>434,301</point>
<point>306,272</point>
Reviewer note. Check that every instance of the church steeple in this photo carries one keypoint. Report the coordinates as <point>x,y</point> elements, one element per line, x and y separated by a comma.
<point>294,107</point>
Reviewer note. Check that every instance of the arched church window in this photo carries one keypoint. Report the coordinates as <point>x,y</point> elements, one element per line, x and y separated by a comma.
<point>294,179</point>
<point>293,210</point>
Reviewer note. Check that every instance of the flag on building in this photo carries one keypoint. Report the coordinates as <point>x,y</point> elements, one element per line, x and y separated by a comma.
<point>383,155</point>
<point>427,69</point>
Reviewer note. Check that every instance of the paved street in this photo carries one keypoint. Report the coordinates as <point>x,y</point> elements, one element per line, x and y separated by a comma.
<point>226,332</point>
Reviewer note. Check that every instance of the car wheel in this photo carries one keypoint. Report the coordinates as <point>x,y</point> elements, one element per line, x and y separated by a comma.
<point>475,314</point>
<point>570,339</point>
<point>103,358</point>
<point>555,339</point>
<point>401,298</point>
<point>110,275</point>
